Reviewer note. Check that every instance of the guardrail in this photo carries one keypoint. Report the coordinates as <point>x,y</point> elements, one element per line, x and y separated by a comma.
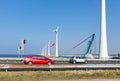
<point>59,67</point>
<point>5,58</point>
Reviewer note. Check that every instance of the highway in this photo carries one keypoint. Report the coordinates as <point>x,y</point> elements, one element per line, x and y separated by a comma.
<point>16,64</point>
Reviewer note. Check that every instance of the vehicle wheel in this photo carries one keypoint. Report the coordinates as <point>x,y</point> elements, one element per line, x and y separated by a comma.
<point>29,63</point>
<point>49,63</point>
<point>74,62</point>
<point>86,61</point>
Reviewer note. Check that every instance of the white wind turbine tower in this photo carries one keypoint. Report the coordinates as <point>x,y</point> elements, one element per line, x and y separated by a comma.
<point>56,31</point>
<point>48,47</point>
<point>103,38</point>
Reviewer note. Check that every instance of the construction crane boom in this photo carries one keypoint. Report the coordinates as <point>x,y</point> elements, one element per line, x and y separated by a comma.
<point>84,40</point>
<point>89,45</point>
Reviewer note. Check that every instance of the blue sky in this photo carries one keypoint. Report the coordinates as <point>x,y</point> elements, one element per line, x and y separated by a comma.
<point>35,20</point>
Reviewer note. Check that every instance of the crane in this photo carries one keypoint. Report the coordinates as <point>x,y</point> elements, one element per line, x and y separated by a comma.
<point>89,44</point>
<point>88,47</point>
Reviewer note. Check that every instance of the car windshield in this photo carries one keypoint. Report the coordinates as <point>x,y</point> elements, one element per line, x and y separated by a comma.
<point>72,56</point>
<point>77,57</point>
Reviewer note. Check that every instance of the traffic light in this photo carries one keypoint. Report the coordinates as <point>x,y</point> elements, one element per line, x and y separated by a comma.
<point>24,41</point>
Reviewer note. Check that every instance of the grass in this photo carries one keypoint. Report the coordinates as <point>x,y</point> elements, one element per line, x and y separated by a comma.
<point>57,75</point>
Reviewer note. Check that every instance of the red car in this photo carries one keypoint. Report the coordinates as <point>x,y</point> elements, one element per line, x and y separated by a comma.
<point>38,59</point>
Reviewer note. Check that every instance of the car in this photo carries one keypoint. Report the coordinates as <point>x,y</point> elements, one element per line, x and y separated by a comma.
<point>78,59</point>
<point>38,59</point>
<point>115,57</point>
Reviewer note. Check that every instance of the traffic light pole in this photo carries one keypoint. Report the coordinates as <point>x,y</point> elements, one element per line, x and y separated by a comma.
<point>18,51</point>
<point>22,47</point>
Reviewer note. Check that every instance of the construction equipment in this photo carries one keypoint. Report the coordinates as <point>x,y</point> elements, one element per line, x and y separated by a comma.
<point>89,44</point>
<point>88,50</point>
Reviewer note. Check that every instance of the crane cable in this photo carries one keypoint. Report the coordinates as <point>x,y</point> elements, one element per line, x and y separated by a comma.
<point>82,41</point>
